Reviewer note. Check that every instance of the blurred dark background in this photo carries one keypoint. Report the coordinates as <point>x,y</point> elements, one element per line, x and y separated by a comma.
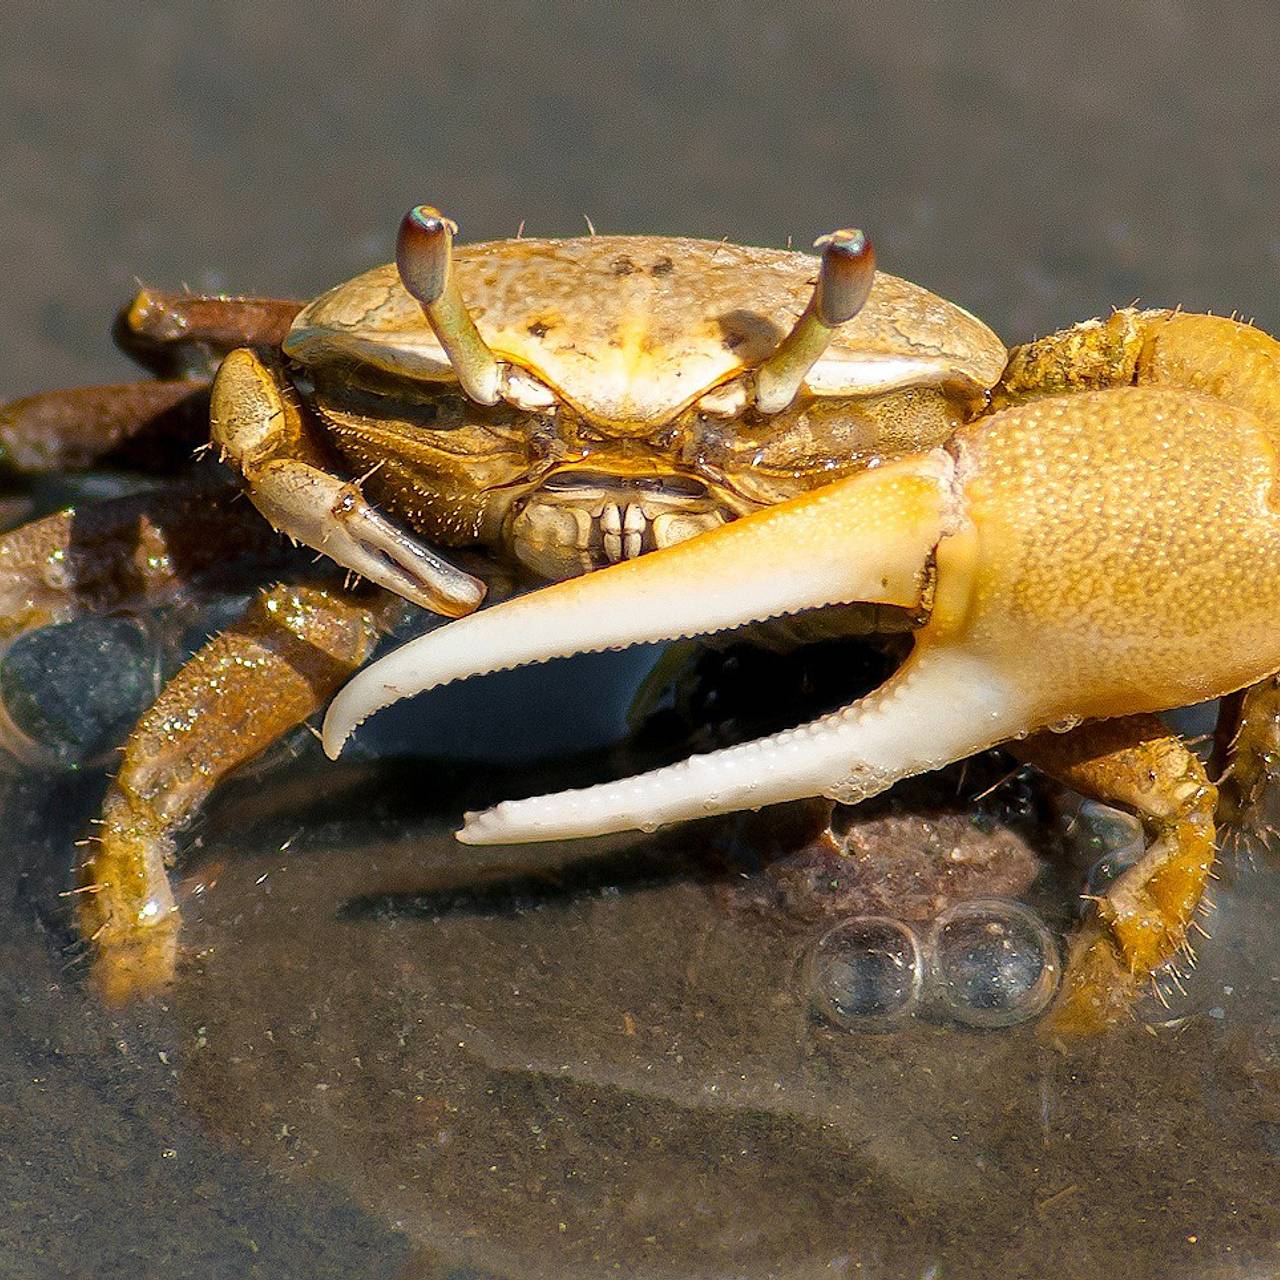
<point>1038,162</point>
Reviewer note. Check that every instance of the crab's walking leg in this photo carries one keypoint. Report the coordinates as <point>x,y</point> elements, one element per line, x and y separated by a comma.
<point>1252,755</point>
<point>184,334</point>
<point>147,424</point>
<point>263,432</point>
<point>237,695</point>
<point>130,554</point>
<point>1142,919</point>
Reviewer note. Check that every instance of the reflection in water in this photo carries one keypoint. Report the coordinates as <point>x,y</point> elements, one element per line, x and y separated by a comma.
<point>575,1074</point>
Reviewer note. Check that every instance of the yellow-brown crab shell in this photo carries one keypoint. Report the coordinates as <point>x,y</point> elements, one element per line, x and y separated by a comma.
<point>631,330</point>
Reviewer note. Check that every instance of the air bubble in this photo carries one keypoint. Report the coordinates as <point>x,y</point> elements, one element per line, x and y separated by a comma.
<point>993,963</point>
<point>866,973</point>
<point>1111,840</point>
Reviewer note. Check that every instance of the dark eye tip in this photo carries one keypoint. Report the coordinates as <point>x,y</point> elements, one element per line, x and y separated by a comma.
<point>429,220</point>
<point>848,242</point>
<point>848,272</point>
<point>422,252</point>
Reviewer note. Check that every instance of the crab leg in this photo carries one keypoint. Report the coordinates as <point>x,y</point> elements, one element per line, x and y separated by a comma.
<point>1142,918</point>
<point>147,424</point>
<point>1253,755</point>
<point>130,554</point>
<point>262,432</point>
<point>238,694</point>
<point>186,335</point>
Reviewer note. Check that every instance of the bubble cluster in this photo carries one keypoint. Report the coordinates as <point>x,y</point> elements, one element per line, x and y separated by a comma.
<point>985,962</point>
<point>1109,839</point>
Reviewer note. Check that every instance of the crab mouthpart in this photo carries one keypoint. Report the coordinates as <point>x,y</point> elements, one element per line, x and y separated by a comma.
<point>577,521</point>
<point>868,538</point>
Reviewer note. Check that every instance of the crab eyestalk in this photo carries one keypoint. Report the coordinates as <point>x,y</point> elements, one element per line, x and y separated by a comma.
<point>424,258</point>
<point>844,283</point>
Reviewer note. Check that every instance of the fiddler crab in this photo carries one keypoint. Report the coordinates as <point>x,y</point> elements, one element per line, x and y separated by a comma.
<point>687,437</point>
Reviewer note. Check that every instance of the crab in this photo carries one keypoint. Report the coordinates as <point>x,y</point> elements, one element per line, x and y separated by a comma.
<point>559,405</point>
<point>1100,546</point>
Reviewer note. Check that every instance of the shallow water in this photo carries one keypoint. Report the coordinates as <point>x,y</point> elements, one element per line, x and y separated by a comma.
<point>387,1056</point>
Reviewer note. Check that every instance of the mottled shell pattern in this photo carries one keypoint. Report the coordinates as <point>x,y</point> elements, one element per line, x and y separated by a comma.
<point>631,330</point>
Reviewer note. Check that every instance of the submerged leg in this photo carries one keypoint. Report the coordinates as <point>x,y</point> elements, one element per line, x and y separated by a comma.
<point>1143,917</point>
<point>130,554</point>
<point>1252,755</point>
<point>239,693</point>
<point>263,432</point>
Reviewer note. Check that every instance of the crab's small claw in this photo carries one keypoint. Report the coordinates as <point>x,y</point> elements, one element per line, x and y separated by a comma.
<point>261,431</point>
<point>869,538</point>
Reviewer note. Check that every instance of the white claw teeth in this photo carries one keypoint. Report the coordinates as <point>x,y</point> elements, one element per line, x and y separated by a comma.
<point>634,523</point>
<point>612,547</point>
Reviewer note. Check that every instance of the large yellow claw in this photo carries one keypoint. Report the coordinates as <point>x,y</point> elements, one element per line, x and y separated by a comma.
<point>1095,556</point>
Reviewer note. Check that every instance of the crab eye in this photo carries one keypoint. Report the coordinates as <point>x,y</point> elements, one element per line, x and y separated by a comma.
<point>845,278</point>
<point>844,282</point>
<point>424,252</point>
<point>424,259</point>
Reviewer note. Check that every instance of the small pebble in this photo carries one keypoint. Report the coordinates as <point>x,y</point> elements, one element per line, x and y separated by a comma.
<point>72,691</point>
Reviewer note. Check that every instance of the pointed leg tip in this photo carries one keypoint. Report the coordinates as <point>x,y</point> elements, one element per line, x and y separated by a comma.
<point>133,967</point>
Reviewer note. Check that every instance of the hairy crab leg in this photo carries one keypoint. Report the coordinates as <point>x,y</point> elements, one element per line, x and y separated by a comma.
<point>263,432</point>
<point>238,694</point>
<point>1142,918</point>
<point>1252,756</point>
